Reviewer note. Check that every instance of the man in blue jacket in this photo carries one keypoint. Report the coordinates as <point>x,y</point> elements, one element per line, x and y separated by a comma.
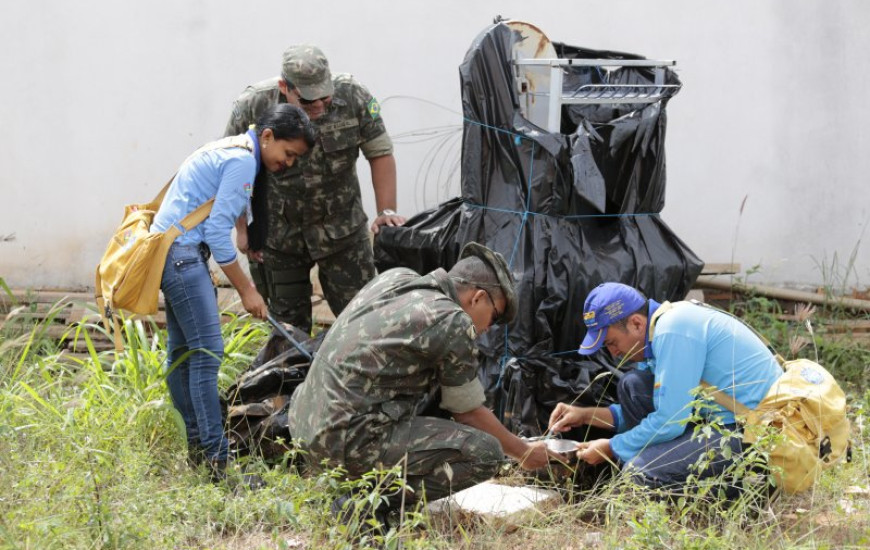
<point>676,347</point>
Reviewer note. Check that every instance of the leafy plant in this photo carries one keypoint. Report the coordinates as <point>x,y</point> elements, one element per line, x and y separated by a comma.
<point>92,455</point>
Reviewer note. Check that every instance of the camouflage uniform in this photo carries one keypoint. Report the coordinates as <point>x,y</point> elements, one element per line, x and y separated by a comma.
<point>403,336</point>
<point>315,208</point>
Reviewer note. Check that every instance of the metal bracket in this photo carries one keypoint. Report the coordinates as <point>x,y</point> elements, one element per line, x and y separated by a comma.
<point>600,93</point>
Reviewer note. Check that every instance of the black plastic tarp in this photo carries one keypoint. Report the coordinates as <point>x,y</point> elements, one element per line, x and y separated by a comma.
<point>568,210</point>
<point>258,401</point>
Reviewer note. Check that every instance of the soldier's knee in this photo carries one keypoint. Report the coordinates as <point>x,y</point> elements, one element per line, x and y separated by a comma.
<point>487,454</point>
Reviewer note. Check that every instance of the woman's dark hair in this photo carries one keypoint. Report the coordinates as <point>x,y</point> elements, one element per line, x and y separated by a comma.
<point>287,122</point>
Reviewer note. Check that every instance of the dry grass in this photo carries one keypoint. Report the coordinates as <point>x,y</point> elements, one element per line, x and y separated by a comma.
<point>91,457</point>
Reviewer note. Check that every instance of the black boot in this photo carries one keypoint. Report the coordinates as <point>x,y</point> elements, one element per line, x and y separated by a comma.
<point>351,506</point>
<point>221,472</point>
<point>195,455</point>
<point>217,470</point>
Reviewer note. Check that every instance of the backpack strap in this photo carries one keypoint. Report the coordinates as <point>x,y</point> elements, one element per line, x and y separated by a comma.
<point>779,358</point>
<point>726,401</point>
<point>241,141</point>
<point>190,221</point>
<point>664,307</point>
<point>201,212</point>
<point>667,306</point>
<point>116,333</point>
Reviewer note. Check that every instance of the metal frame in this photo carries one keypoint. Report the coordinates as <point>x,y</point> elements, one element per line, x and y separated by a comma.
<point>600,93</point>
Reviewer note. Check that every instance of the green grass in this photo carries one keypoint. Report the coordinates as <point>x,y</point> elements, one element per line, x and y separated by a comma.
<point>92,456</point>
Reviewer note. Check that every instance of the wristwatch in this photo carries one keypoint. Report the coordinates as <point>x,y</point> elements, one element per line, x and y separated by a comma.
<point>387,212</point>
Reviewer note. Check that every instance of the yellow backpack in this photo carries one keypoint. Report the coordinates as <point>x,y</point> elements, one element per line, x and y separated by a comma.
<point>129,273</point>
<point>805,405</point>
<point>808,407</point>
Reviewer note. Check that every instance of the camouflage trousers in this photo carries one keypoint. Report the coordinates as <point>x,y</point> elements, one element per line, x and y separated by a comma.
<point>284,280</point>
<point>437,456</point>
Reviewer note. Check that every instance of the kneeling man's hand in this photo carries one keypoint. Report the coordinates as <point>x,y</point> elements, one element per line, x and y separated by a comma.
<point>538,456</point>
<point>564,417</point>
<point>595,451</point>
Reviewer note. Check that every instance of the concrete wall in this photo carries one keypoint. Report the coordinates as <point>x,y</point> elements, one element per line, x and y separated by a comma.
<point>767,141</point>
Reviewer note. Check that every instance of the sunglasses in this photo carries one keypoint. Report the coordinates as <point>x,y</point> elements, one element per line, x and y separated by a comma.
<point>304,101</point>
<point>496,316</point>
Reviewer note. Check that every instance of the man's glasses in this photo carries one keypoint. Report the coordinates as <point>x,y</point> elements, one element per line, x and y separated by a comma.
<point>496,316</point>
<point>304,101</point>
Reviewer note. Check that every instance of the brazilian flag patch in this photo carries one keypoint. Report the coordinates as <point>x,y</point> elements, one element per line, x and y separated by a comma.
<point>374,108</point>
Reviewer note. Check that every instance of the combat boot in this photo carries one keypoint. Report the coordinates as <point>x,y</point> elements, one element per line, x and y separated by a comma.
<point>195,456</point>
<point>222,472</point>
<point>349,508</point>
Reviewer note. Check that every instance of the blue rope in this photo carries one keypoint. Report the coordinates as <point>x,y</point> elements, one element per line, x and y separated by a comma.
<point>506,355</point>
<point>496,128</point>
<point>526,213</point>
<point>553,354</point>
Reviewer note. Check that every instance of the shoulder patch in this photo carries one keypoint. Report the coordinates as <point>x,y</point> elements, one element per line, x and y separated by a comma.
<point>374,108</point>
<point>249,189</point>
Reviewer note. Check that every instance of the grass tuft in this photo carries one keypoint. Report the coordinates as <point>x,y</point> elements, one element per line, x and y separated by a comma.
<point>92,456</point>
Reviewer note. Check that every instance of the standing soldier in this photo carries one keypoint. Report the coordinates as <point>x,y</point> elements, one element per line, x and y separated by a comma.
<point>313,211</point>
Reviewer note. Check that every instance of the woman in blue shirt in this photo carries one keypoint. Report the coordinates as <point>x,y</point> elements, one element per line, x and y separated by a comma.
<point>225,170</point>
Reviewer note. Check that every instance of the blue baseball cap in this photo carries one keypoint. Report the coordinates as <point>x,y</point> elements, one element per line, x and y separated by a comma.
<point>605,305</point>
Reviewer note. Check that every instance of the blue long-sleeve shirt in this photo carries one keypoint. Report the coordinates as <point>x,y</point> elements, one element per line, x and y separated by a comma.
<point>226,174</point>
<point>692,343</point>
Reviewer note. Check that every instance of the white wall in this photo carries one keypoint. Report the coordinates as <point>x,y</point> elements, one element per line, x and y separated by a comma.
<point>100,100</point>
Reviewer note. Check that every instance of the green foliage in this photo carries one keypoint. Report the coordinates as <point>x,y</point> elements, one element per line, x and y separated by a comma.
<point>92,455</point>
<point>797,335</point>
<point>839,276</point>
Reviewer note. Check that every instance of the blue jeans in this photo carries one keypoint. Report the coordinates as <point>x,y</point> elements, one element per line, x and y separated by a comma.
<point>668,464</point>
<point>193,323</point>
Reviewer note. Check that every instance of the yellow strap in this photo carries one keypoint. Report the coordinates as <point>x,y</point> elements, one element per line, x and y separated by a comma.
<point>116,329</point>
<point>663,308</point>
<point>158,200</point>
<point>725,400</point>
<point>101,307</point>
<point>190,221</point>
<point>197,216</point>
<point>240,141</point>
<point>113,327</point>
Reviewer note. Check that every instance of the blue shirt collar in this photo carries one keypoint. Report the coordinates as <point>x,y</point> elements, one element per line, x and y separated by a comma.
<point>253,135</point>
<point>647,345</point>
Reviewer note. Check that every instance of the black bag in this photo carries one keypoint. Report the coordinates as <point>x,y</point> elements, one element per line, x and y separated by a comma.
<point>259,400</point>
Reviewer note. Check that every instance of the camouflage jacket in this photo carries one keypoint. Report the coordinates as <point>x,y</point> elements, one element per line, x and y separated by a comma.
<point>403,336</point>
<point>318,199</point>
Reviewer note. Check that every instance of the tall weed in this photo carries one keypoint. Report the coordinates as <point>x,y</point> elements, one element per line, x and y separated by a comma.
<point>92,455</point>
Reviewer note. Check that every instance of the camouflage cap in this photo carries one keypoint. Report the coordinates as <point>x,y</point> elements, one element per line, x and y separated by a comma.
<point>306,68</point>
<point>500,267</point>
